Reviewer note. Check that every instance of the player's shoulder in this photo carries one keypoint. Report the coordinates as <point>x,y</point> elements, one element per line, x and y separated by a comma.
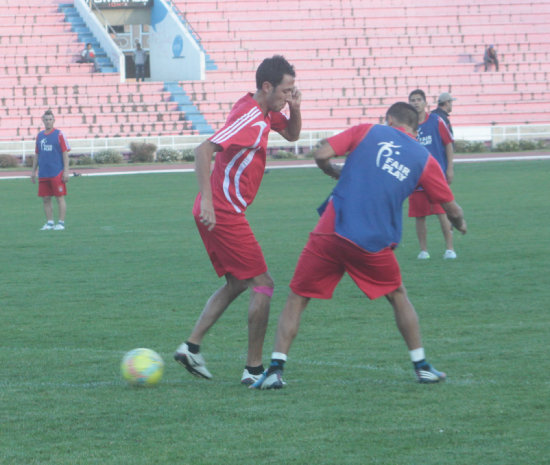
<point>356,132</point>
<point>245,107</point>
<point>365,128</point>
<point>439,118</point>
<point>245,103</point>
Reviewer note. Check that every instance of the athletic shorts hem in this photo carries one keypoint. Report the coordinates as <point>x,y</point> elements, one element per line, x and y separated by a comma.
<point>420,206</point>
<point>326,258</point>
<point>52,187</point>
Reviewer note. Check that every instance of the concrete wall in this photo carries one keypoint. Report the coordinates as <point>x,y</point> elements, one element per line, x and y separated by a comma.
<point>119,16</point>
<point>174,54</point>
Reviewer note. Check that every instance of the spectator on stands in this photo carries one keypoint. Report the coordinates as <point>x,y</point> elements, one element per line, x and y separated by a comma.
<point>490,57</point>
<point>88,56</point>
<point>444,107</point>
<point>140,56</point>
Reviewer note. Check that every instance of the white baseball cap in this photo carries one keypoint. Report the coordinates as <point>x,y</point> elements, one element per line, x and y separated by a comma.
<point>445,97</point>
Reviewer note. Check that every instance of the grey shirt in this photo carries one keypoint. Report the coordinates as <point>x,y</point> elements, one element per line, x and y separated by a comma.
<point>140,56</point>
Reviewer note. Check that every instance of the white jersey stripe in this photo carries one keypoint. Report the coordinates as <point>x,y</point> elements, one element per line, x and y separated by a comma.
<point>241,168</point>
<point>236,126</point>
<point>227,181</point>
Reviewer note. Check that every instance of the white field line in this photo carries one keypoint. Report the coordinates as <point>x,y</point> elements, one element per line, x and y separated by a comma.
<point>363,374</point>
<point>306,165</point>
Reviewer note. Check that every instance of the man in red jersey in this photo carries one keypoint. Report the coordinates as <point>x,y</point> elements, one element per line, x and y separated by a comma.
<point>224,195</point>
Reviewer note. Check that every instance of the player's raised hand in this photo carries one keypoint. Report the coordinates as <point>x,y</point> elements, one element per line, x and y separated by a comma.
<point>463,227</point>
<point>295,99</point>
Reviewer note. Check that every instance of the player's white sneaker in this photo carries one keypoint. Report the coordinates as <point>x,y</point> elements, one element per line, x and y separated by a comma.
<point>193,363</point>
<point>449,255</point>
<point>47,227</point>
<point>59,227</point>
<point>423,255</point>
<point>427,374</point>
<point>273,380</point>
<point>248,378</point>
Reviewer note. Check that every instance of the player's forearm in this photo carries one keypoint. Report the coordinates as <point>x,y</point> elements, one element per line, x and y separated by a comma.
<point>203,160</point>
<point>329,168</point>
<point>203,179</point>
<point>449,153</point>
<point>66,161</point>
<point>294,126</point>
<point>322,156</point>
<point>455,215</point>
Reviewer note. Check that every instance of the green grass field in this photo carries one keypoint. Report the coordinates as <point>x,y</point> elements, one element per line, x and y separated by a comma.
<point>130,271</point>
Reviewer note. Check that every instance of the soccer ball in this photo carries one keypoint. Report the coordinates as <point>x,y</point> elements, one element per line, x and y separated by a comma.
<point>142,367</point>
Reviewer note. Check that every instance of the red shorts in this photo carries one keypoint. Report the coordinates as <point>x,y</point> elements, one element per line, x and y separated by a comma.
<point>52,187</point>
<point>231,246</point>
<point>326,257</point>
<point>420,205</point>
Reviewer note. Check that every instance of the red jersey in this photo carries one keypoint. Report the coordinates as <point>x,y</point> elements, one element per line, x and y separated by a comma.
<point>239,167</point>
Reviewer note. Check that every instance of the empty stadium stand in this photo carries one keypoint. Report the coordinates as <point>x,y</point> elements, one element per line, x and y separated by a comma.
<point>38,54</point>
<point>353,58</point>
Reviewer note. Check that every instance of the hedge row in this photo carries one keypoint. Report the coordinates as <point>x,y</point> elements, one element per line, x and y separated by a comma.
<point>148,153</point>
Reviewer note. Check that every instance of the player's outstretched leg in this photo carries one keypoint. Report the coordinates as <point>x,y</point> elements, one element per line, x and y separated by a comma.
<point>261,292</point>
<point>406,319</point>
<point>193,363</point>
<point>287,329</point>
<point>187,354</point>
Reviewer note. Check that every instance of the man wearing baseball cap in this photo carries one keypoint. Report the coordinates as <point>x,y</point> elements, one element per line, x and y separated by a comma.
<point>444,107</point>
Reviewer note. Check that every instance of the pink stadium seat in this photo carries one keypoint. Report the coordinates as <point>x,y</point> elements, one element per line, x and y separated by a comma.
<point>86,104</point>
<point>366,59</point>
<point>352,59</point>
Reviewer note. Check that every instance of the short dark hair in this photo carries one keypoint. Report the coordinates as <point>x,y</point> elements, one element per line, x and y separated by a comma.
<point>48,113</point>
<point>418,92</point>
<point>404,113</point>
<point>272,70</point>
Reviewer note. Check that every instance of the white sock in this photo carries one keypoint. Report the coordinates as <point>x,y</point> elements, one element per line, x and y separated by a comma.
<point>278,356</point>
<point>417,354</point>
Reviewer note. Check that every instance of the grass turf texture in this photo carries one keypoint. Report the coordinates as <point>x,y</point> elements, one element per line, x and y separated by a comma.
<point>130,271</point>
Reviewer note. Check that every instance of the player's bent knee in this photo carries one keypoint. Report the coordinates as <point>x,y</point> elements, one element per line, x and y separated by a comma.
<point>400,291</point>
<point>266,290</point>
<point>236,287</point>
